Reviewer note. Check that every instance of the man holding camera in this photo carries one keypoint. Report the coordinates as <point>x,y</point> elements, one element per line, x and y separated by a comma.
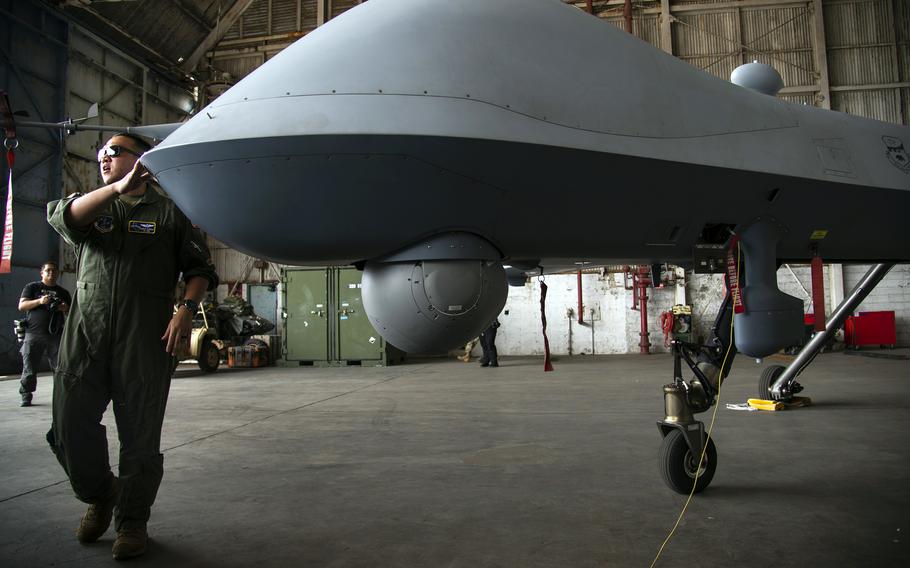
<point>46,305</point>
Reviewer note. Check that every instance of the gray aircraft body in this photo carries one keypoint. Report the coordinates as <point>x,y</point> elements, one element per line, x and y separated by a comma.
<point>520,131</point>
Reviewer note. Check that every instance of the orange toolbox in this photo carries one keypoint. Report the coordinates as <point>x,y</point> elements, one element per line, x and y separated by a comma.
<point>248,356</point>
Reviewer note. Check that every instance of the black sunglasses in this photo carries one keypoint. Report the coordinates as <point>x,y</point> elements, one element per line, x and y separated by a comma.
<point>115,150</point>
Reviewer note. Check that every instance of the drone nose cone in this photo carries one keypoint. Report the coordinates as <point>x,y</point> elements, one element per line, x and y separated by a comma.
<point>226,188</point>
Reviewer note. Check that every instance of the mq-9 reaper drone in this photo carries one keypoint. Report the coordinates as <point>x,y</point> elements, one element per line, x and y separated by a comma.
<point>363,142</point>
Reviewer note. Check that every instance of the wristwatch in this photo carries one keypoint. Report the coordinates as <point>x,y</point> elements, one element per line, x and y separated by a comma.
<point>191,305</point>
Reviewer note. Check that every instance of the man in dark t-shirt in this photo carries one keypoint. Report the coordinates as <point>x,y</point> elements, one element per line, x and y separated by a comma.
<point>46,305</point>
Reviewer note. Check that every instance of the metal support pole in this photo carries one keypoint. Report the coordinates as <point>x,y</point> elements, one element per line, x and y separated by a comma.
<point>818,292</point>
<point>627,16</point>
<point>808,353</point>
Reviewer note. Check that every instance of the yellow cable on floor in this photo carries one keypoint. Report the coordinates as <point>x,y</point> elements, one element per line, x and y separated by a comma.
<point>701,459</point>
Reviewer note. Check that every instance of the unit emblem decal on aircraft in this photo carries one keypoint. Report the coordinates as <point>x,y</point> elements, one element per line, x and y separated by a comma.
<point>897,155</point>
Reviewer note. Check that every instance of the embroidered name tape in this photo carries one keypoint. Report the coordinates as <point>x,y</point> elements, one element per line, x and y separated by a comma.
<point>142,227</point>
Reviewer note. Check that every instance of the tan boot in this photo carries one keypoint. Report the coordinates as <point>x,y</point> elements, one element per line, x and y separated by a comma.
<point>98,516</point>
<point>130,543</point>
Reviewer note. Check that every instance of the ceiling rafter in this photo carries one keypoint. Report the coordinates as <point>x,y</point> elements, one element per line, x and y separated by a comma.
<point>191,12</point>
<point>158,57</point>
<point>217,33</point>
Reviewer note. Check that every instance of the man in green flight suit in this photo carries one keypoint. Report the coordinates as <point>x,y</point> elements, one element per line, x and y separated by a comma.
<point>132,245</point>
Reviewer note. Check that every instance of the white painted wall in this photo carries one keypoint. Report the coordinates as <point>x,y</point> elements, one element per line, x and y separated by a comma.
<point>520,333</point>
<point>892,293</point>
<point>616,326</point>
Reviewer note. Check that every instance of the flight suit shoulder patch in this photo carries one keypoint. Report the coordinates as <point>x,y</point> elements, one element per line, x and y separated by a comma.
<point>142,227</point>
<point>104,224</point>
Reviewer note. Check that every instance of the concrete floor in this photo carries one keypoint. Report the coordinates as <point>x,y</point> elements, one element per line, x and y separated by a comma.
<point>439,463</point>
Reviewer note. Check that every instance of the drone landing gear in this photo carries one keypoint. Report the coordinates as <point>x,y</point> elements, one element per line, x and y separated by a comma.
<point>687,455</point>
<point>778,382</point>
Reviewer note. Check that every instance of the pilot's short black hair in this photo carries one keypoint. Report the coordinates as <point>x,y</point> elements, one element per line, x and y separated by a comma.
<point>141,144</point>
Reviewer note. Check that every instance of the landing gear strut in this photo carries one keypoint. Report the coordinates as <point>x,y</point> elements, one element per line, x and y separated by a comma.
<point>779,383</point>
<point>685,439</point>
<point>766,320</point>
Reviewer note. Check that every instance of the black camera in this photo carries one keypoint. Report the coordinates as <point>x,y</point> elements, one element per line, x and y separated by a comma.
<point>55,302</point>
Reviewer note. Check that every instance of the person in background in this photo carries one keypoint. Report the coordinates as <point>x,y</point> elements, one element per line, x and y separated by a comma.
<point>45,305</point>
<point>488,342</point>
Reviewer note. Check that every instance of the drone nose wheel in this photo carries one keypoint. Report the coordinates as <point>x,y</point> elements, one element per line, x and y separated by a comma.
<point>679,467</point>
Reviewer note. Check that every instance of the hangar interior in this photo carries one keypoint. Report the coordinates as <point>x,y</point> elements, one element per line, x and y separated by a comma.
<point>429,462</point>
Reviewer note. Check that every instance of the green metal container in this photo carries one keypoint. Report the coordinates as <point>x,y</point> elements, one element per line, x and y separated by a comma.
<point>324,322</point>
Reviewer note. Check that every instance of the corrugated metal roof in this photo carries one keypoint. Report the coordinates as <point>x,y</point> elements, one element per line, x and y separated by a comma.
<point>308,16</point>
<point>858,22</point>
<point>881,104</point>
<point>713,33</point>
<point>284,16</point>
<point>234,32</point>
<point>868,65</point>
<point>171,28</point>
<point>781,38</point>
<point>644,26</point>
<point>800,99</point>
<point>778,29</point>
<point>905,97</point>
<point>240,66</point>
<point>861,42</point>
<point>255,21</point>
<point>341,6</point>
<point>902,30</point>
<point>868,45</point>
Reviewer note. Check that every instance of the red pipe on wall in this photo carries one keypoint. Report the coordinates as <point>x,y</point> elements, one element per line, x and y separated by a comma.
<point>644,280</point>
<point>641,279</point>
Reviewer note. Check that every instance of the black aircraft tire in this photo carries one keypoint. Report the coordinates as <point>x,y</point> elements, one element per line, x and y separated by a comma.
<point>209,357</point>
<point>677,466</point>
<point>766,381</point>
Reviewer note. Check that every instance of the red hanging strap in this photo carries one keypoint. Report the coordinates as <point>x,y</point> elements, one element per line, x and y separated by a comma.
<point>6,254</point>
<point>547,365</point>
<point>733,276</point>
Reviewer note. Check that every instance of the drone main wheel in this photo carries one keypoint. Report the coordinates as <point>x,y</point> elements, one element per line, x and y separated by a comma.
<point>678,466</point>
<point>766,381</point>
